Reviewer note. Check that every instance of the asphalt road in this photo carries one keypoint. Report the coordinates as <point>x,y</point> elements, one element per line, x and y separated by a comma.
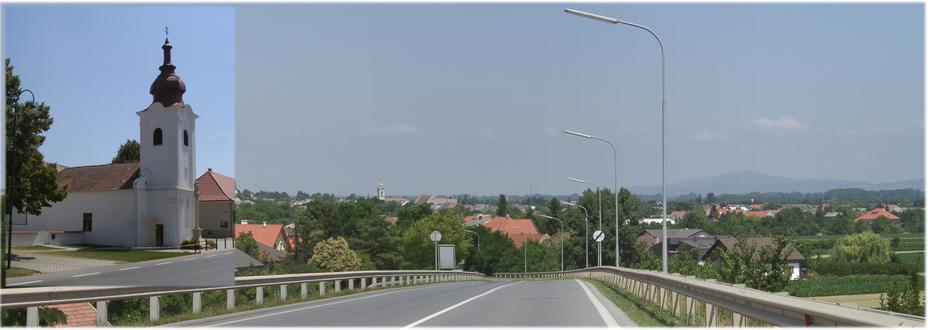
<point>466,304</point>
<point>214,268</point>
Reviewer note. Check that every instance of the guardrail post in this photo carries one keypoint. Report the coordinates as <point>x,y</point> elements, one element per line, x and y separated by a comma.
<point>402,282</point>
<point>101,313</point>
<point>737,320</point>
<point>690,308</point>
<point>32,316</point>
<point>230,299</point>
<point>259,295</point>
<point>373,281</point>
<point>283,292</point>
<point>154,308</point>
<point>394,281</point>
<point>350,284</point>
<point>304,290</point>
<point>338,285</point>
<point>197,302</point>
<point>710,315</point>
<point>363,283</point>
<point>674,301</point>
<point>321,288</point>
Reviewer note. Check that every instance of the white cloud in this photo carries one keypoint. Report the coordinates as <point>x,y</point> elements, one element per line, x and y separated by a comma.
<point>785,123</point>
<point>707,135</point>
<point>392,129</point>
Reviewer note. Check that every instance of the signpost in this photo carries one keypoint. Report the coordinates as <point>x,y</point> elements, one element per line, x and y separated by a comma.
<point>446,256</point>
<point>435,236</point>
<point>598,236</point>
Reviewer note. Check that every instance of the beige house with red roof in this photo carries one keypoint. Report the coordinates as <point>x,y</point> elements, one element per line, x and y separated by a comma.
<point>518,230</point>
<point>273,241</point>
<point>876,214</point>
<point>145,204</point>
<point>215,204</point>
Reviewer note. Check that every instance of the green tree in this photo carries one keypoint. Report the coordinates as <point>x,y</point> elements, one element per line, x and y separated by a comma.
<point>129,152</point>
<point>497,254</point>
<point>418,249</point>
<point>35,181</point>
<point>334,255</point>
<point>502,207</point>
<point>246,243</point>
<point>865,247</point>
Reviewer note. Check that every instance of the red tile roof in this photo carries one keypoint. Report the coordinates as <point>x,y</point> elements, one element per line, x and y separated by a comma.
<point>729,242</point>
<point>391,220</point>
<point>264,234</point>
<point>756,214</point>
<point>518,230</point>
<point>98,177</point>
<point>876,214</point>
<point>77,314</point>
<point>215,187</point>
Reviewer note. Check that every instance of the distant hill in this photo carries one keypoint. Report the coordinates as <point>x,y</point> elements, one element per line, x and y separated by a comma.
<point>750,181</point>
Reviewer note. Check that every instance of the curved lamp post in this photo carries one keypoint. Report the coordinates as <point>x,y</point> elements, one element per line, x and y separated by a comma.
<point>586,219</point>
<point>615,183</point>
<point>663,118</point>
<point>11,189</point>
<point>478,238</point>
<point>562,237</point>
<point>599,245</point>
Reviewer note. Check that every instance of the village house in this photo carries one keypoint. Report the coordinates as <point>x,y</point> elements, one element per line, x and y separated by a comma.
<point>793,257</point>
<point>876,214</point>
<point>518,230</point>
<point>215,204</point>
<point>273,241</point>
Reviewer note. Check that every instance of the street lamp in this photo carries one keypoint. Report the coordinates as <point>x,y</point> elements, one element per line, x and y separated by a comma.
<point>615,184</point>
<point>478,238</point>
<point>599,245</point>
<point>663,119</point>
<point>11,188</point>
<point>562,237</point>
<point>586,231</point>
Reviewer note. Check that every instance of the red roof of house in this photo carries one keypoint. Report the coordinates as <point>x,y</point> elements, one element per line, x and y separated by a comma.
<point>77,314</point>
<point>518,230</point>
<point>215,187</point>
<point>264,234</point>
<point>107,177</point>
<point>876,214</point>
<point>392,220</point>
<point>756,214</point>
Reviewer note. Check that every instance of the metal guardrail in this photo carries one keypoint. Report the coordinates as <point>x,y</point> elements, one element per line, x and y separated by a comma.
<point>33,298</point>
<point>683,295</point>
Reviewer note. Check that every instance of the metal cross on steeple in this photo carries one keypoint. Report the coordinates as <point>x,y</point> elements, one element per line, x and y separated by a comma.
<point>166,33</point>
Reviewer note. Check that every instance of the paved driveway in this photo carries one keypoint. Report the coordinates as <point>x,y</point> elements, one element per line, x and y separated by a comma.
<point>47,263</point>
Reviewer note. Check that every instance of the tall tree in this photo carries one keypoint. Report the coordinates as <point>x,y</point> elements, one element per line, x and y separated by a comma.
<point>129,152</point>
<point>502,207</point>
<point>35,184</point>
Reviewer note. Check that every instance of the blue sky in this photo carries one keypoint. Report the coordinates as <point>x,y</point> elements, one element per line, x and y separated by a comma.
<point>471,98</point>
<point>94,64</point>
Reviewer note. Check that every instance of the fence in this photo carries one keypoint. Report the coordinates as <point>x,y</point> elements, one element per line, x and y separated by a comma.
<point>33,298</point>
<point>687,296</point>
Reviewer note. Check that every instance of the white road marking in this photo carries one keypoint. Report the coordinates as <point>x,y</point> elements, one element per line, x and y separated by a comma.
<point>88,274</point>
<point>603,313</point>
<point>211,255</point>
<point>456,305</point>
<point>308,307</point>
<point>23,283</point>
<point>228,253</point>
<point>130,268</point>
<point>188,259</point>
<point>164,263</point>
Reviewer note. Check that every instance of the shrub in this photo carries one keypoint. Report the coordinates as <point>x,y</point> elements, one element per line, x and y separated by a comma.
<point>334,255</point>
<point>838,268</point>
<point>903,298</point>
<point>844,285</point>
<point>865,247</point>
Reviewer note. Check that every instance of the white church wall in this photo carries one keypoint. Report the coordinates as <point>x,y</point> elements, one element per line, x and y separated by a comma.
<point>112,212</point>
<point>171,208</point>
<point>171,164</point>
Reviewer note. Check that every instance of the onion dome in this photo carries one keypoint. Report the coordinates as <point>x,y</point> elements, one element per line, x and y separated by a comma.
<point>168,89</point>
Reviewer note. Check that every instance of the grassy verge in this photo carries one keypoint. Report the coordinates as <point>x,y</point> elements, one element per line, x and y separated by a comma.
<point>845,285</point>
<point>17,272</point>
<point>125,256</point>
<point>631,308</point>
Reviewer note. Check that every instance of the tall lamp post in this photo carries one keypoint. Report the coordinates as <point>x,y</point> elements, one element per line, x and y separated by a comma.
<point>615,184</point>
<point>663,119</point>
<point>11,188</point>
<point>562,237</point>
<point>478,238</point>
<point>586,232</point>
<point>599,245</point>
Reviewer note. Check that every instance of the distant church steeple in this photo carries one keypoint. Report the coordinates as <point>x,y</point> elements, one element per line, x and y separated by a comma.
<point>168,89</point>
<point>381,193</point>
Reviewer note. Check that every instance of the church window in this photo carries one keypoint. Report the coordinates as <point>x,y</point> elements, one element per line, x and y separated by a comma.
<point>186,139</point>
<point>157,137</point>
<point>88,221</point>
<point>224,224</point>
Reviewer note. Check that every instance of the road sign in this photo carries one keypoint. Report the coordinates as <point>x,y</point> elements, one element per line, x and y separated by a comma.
<point>435,236</point>
<point>446,256</point>
<point>598,236</point>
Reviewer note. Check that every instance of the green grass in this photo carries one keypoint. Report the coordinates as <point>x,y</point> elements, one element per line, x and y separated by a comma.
<point>35,248</point>
<point>120,255</point>
<point>845,285</point>
<point>17,272</point>
<point>639,316</point>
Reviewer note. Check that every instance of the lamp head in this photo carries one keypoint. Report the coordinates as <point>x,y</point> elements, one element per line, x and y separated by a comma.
<point>592,16</point>
<point>578,134</point>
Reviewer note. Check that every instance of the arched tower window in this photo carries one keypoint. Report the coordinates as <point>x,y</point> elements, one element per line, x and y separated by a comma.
<point>157,137</point>
<point>186,140</point>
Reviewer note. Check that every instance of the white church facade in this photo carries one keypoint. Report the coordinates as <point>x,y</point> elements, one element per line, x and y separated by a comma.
<point>145,204</point>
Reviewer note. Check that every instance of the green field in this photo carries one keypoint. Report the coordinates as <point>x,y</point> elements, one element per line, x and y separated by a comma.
<point>119,255</point>
<point>846,285</point>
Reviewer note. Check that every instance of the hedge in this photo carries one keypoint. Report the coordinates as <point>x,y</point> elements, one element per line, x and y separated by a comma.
<point>846,285</point>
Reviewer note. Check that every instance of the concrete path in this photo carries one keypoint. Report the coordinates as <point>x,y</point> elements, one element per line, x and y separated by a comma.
<point>565,303</point>
<point>48,263</point>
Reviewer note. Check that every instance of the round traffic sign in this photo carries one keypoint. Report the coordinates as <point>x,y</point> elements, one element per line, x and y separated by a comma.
<point>598,236</point>
<point>435,236</point>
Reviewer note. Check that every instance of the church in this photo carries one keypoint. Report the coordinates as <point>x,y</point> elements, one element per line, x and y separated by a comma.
<point>145,204</point>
